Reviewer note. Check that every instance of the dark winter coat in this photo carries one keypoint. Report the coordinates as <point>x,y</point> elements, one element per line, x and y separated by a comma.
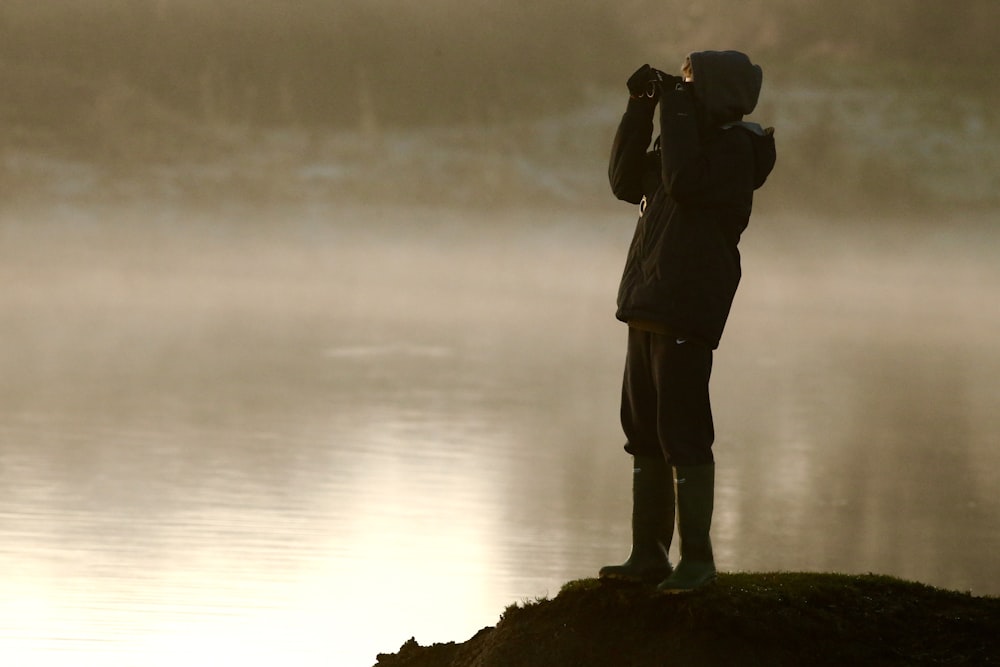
<point>683,266</point>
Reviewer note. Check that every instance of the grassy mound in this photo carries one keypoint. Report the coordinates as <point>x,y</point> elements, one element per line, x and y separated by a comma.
<point>744,619</point>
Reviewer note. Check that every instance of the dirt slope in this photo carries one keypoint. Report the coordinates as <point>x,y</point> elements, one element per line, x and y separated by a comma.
<point>770,620</point>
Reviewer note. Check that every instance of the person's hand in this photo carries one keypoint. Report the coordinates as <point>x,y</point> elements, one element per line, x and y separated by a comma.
<point>648,82</point>
<point>642,83</point>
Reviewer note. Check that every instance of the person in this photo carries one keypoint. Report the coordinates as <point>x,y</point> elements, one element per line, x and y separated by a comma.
<point>695,191</point>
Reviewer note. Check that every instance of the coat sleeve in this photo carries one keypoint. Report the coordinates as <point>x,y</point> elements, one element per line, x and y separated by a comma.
<point>628,153</point>
<point>695,171</point>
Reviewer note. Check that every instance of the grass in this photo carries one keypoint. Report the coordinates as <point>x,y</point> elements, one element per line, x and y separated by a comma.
<point>771,619</point>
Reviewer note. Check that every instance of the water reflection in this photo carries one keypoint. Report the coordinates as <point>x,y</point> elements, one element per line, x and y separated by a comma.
<point>227,443</point>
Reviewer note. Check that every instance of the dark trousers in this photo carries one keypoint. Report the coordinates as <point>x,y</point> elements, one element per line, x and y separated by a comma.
<point>665,401</point>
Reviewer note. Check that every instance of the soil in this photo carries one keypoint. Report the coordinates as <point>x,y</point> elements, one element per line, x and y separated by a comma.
<point>773,620</point>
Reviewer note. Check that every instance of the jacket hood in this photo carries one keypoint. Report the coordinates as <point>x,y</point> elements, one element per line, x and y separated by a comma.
<point>726,84</point>
<point>764,154</point>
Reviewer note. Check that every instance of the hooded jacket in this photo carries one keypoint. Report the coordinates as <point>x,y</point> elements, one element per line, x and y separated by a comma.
<point>696,189</point>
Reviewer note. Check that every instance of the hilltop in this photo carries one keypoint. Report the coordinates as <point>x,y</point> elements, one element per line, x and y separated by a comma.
<point>773,619</point>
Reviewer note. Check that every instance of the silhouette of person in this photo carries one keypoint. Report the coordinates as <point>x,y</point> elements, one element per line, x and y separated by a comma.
<point>694,189</point>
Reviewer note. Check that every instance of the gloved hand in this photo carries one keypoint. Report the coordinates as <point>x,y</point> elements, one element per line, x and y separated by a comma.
<point>647,82</point>
<point>642,83</point>
<point>667,81</point>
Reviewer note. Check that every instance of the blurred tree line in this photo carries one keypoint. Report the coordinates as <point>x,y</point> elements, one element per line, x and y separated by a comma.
<point>308,61</point>
<point>888,100</point>
<point>340,62</point>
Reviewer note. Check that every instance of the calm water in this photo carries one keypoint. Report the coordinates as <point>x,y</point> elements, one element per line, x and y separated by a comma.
<point>270,442</point>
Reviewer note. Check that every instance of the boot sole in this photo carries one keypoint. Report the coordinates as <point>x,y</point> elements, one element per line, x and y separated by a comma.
<point>652,578</point>
<point>693,589</point>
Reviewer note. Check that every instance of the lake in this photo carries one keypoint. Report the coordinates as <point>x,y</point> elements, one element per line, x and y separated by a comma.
<point>302,436</point>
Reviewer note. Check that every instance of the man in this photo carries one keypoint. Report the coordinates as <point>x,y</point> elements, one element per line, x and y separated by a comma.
<point>695,191</point>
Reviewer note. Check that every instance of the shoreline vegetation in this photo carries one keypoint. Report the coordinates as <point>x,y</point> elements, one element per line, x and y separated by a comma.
<point>849,147</point>
<point>768,619</point>
<point>877,108</point>
<point>842,152</point>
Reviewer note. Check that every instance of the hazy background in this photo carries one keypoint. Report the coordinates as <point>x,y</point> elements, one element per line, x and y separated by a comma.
<point>306,319</point>
<point>885,105</point>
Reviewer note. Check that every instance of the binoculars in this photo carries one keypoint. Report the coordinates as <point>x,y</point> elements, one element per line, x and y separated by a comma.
<point>655,79</point>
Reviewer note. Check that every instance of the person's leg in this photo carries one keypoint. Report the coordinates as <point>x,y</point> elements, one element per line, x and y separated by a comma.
<point>640,404</point>
<point>682,370</point>
<point>652,479</point>
<point>695,500</point>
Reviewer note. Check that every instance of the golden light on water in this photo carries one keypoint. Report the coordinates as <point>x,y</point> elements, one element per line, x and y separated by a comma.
<point>306,322</point>
<point>263,479</point>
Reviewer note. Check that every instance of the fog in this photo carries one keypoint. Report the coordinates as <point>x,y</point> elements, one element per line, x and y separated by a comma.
<point>878,108</point>
<point>307,337</point>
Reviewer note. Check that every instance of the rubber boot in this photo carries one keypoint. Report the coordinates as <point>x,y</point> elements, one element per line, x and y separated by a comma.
<point>652,524</point>
<point>695,499</point>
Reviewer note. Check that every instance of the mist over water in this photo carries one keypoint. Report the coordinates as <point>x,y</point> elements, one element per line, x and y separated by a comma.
<point>306,321</point>
<point>303,437</point>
